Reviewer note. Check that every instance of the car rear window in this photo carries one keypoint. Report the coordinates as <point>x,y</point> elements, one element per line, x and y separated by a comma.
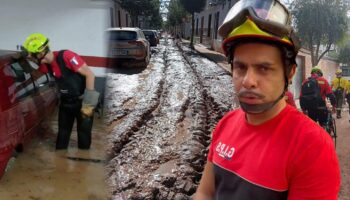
<point>123,35</point>
<point>150,33</point>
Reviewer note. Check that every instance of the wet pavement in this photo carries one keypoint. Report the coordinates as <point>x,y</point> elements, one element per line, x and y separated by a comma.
<point>41,173</point>
<point>343,152</point>
<point>160,122</point>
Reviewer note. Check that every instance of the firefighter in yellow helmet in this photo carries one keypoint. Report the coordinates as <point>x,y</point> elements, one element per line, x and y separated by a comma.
<point>75,81</point>
<point>339,85</point>
<point>266,149</point>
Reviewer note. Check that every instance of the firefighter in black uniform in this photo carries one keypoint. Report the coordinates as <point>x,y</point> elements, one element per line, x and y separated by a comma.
<point>75,81</point>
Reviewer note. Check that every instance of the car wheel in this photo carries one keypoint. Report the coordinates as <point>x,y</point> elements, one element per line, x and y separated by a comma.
<point>146,61</point>
<point>7,162</point>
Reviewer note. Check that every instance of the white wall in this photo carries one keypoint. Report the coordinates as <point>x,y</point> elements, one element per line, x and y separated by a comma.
<point>77,25</point>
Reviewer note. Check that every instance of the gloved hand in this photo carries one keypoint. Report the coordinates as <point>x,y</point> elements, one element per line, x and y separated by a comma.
<point>90,101</point>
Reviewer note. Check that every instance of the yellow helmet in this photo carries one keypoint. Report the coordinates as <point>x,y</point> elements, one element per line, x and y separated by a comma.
<point>339,71</point>
<point>264,20</point>
<point>36,43</point>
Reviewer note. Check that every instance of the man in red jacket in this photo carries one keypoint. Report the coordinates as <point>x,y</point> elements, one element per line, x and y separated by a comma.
<point>318,113</point>
<point>266,150</point>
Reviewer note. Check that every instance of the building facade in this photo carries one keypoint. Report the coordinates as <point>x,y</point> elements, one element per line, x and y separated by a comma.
<point>208,21</point>
<point>122,17</point>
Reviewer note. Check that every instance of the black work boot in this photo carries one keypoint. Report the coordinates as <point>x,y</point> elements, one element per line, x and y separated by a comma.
<point>338,114</point>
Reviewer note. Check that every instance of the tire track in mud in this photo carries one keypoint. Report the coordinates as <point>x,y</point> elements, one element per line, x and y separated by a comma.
<point>159,152</point>
<point>132,119</point>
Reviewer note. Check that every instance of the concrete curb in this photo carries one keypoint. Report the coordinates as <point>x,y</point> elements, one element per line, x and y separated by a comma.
<point>212,55</point>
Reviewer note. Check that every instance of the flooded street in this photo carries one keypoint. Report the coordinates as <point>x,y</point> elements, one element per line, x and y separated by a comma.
<point>41,173</point>
<point>161,120</point>
<point>158,120</point>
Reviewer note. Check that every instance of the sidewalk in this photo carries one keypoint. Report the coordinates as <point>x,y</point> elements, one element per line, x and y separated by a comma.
<point>212,55</point>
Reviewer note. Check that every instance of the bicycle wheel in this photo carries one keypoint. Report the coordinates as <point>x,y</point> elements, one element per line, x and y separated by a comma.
<point>334,132</point>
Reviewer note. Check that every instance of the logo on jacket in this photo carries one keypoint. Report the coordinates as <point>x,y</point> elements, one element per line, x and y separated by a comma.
<point>74,61</point>
<point>225,151</point>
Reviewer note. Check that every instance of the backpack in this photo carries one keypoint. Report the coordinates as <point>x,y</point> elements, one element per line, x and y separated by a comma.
<point>310,98</point>
<point>70,84</point>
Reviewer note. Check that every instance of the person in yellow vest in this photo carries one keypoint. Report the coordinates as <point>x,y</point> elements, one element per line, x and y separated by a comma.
<point>339,85</point>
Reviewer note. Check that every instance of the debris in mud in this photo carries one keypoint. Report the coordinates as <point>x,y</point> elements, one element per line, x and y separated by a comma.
<point>86,159</point>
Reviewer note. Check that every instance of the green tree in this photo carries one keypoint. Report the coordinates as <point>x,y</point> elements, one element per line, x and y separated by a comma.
<point>176,13</point>
<point>320,23</point>
<point>193,6</point>
<point>156,18</point>
<point>138,8</point>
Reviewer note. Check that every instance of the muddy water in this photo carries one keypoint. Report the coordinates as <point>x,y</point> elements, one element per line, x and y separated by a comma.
<point>158,142</point>
<point>41,173</point>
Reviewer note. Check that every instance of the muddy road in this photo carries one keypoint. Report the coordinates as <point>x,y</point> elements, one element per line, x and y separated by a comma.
<point>160,123</point>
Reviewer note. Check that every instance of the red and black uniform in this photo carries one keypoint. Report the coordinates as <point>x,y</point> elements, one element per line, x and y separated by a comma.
<point>321,113</point>
<point>288,157</point>
<point>71,84</point>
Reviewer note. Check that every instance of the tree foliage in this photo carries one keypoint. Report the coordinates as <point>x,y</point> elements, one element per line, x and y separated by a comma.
<point>176,13</point>
<point>136,8</point>
<point>344,55</point>
<point>320,23</point>
<point>156,18</point>
<point>193,6</point>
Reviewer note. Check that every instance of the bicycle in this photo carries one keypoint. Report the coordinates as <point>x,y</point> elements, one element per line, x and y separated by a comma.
<point>331,127</point>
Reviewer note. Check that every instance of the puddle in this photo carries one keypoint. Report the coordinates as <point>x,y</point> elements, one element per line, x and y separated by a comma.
<point>41,173</point>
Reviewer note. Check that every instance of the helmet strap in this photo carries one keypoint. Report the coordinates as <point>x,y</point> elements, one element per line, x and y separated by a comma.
<point>38,60</point>
<point>260,108</point>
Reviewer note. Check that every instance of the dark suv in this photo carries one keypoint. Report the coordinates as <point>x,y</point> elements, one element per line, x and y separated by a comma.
<point>151,36</point>
<point>26,97</point>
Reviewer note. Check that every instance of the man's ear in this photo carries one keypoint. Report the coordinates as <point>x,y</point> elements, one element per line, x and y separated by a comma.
<point>292,72</point>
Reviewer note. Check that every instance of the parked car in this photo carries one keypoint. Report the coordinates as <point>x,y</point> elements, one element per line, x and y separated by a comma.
<point>157,33</point>
<point>27,98</point>
<point>129,47</point>
<point>151,36</point>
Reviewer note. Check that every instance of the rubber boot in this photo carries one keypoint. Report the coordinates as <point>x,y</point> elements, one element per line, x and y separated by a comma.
<point>338,114</point>
<point>84,127</point>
